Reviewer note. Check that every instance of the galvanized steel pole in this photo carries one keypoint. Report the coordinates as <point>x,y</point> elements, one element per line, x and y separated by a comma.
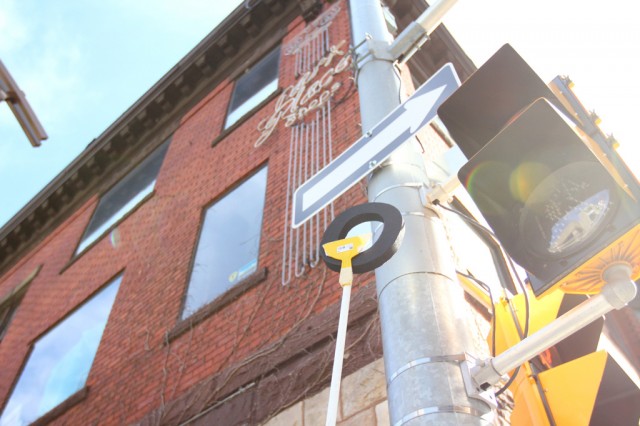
<point>423,318</point>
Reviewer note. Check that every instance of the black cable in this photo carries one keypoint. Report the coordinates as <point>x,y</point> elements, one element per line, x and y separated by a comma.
<point>525,332</point>
<point>468,219</point>
<point>493,310</point>
<point>509,382</point>
<point>493,333</point>
<point>475,223</point>
<point>396,71</point>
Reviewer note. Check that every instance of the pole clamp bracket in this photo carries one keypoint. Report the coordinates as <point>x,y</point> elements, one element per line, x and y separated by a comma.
<point>375,50</point>
<point>473,391</point>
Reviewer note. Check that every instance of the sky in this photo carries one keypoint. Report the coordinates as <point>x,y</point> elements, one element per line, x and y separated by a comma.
<point>595,43</point>
<point>82,64</point>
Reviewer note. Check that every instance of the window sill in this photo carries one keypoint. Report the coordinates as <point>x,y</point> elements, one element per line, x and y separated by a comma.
<point>61,408</point>
<point>209,309</point>
<point>249,114</point>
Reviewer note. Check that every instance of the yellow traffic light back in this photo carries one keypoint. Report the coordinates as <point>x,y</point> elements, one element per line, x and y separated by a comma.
<point>552,198</point>
<point>488,100</point>
<point>570,383</point>
<point>587,279</point>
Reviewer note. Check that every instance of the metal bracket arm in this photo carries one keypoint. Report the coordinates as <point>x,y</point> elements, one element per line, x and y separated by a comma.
<point>411,39</point>
<point>417,33</point>
<point>619,291</point>
<point>441,192</point>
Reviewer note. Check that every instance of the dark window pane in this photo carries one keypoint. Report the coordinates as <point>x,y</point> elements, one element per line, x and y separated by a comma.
<point>6,313</point>
<point>254,86</point>
<point>124,196</point>
<point>229,242</point>
<point>263,73</point>
<point>60,361</point>
<point>9,303</point>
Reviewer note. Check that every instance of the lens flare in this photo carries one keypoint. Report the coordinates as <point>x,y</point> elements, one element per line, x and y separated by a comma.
<point>485,179</point>
<point>526,178</point>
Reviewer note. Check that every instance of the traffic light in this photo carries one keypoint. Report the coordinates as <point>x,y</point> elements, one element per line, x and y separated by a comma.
<point>551,194</point>
<point>570,383</point>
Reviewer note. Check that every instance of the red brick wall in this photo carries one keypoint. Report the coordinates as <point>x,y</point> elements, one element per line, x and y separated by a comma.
<point>134,371</point>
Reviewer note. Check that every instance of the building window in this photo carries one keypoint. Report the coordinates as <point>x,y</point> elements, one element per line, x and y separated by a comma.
<point>253,87</point>
<point>60,361</point>
<point>124,196</point>
<point>7,310</point>
<point>9,303</point>
<point>229,242</point>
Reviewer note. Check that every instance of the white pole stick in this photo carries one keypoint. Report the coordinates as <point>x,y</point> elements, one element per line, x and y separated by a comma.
<point>336,374</point>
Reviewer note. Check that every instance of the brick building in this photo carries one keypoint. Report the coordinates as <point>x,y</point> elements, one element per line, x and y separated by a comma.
<point>156,279</point>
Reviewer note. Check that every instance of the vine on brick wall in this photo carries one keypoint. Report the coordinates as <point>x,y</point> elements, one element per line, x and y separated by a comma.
<point>212,392</point>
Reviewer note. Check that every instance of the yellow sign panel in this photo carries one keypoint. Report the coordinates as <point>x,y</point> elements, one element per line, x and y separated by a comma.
<point>570,390</point>
<point>543,311</point>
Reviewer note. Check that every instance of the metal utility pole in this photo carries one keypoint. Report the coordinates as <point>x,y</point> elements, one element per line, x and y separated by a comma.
<point>424,328</point>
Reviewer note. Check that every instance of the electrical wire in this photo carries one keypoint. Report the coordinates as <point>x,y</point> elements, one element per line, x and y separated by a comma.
<point>475,223</point>
<point>493,331</point>
<point>493,310</point>
<point>396,71</point>
<point>508,383</point>
<point>524,333</point>
<point>525,294</point>
<point>468,219</point>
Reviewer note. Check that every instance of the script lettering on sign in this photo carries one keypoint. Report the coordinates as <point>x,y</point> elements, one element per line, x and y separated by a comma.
<point>313,90</point>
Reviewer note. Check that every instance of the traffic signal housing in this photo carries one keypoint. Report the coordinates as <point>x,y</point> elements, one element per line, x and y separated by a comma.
<point>549,192</point>
<point>569,383</point>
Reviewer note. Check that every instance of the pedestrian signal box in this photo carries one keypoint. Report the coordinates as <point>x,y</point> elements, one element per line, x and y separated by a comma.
<point>549,192</point>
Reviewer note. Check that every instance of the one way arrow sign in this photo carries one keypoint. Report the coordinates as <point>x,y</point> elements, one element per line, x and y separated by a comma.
<point>376,146</point>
